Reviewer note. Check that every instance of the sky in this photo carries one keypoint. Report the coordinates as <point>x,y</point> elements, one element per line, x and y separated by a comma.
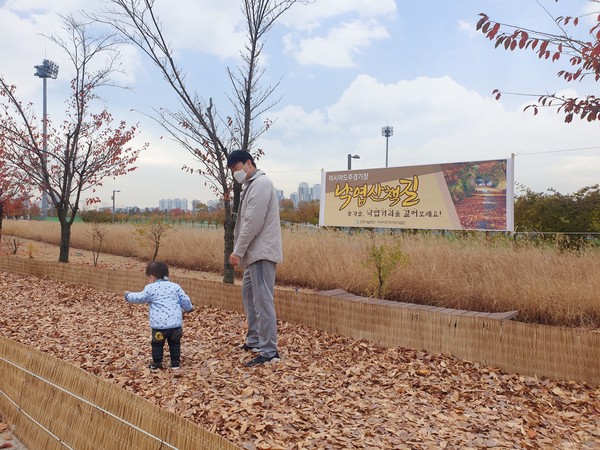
<point>345,68</point>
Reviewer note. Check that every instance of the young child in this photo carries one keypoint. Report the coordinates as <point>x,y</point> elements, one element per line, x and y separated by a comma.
<point>167,302</point>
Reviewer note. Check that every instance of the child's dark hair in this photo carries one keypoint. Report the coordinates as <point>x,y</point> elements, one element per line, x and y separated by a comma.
<point>157,269</point>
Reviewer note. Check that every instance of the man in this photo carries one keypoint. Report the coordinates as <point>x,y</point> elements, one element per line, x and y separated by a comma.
<point>257,248</point>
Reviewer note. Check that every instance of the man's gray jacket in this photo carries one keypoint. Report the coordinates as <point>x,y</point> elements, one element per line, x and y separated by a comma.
<point>257,233</point>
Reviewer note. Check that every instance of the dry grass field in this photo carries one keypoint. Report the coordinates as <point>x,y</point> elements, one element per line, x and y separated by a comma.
<point>475,273</point>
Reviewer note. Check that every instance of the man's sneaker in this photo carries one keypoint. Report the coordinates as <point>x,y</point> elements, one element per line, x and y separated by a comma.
<point>249,348</point>
<point>155,366</point>
<point>260,359</point>
<point>175,365</point>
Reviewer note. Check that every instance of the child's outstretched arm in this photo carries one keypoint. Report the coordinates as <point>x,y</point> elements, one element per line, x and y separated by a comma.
<point>139,297</point>
<point>184,301</point>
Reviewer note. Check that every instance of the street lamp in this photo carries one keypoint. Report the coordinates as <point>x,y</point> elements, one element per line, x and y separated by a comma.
<point>113,199</point>
<point>48,69</point>
<point>350,157</point>
<point>387,131</point>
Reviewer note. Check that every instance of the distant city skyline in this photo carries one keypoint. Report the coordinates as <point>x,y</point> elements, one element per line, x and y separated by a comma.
<point>169,204</point>
<point>303,193</point>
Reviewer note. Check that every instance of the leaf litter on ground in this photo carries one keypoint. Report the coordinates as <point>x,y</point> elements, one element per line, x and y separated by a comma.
<point>328,391</point>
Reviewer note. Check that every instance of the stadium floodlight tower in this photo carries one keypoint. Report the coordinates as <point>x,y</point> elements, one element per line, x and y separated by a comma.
<point>387,131</point>
<point>48,69</point>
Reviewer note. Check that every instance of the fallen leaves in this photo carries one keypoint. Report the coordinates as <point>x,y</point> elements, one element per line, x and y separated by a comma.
<point>5,436</point>
<point>328,391</point>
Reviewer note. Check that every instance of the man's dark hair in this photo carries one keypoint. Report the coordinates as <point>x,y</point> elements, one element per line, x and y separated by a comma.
<point>157,269</point>
<point>239,156</point>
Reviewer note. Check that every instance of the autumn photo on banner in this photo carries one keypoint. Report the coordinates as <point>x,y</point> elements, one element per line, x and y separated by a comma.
<point>478,191</point>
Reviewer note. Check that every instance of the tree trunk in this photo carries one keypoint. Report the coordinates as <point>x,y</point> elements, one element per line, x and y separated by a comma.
<point>1,217</point>
<point>65,239</point>
<point>228,269</point>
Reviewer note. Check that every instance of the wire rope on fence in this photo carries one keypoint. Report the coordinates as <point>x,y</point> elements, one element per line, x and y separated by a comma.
<point>79,398</point>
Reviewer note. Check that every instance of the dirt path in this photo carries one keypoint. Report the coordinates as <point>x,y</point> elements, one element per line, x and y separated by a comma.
<point>48,252</point>
<point>485,210</point>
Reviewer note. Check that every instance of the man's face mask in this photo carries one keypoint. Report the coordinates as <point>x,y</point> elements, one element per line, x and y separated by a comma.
<point>240,176</point>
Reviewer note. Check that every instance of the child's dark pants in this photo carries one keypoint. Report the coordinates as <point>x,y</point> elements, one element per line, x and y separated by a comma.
<point>173,338</point>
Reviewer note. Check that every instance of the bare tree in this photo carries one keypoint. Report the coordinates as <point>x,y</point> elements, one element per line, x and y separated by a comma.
<point>97,234</point>
<point>197,126</point>
<point>85,148</point>
<point>152,233</point>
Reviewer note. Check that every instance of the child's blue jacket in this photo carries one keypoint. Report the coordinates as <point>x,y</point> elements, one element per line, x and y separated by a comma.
<point>167,301</point>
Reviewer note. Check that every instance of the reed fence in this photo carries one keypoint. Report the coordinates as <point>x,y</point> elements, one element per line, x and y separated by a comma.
<point>52,405</point>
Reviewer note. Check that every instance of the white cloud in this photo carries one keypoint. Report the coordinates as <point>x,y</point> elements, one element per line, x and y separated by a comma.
<point>43,6</point>
<point>435,120</point>
<point>591,10</point>
<point>468,28</point>
<point>293,122</point>
<point>159,174</point>
<point>213,27</point>
<point>338,47</point>
<point>29,49</point>
<point>585,166</point>
<point>311,16</point>
<point>435,104</point>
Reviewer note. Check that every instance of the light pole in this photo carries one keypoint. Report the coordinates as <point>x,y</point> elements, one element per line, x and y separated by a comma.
<point>113,199</point>
<point>350,157</point>
<point>48,69</point>
<point>387,131</point>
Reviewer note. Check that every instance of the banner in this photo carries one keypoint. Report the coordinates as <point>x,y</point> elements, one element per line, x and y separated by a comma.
<point>475,195</point>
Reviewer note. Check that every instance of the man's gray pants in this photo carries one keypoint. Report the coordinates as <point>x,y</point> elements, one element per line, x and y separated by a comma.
<point>258,286</point>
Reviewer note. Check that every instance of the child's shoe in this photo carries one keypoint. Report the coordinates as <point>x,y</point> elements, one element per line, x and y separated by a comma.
<point>155,366</point>
<point>175,365</point>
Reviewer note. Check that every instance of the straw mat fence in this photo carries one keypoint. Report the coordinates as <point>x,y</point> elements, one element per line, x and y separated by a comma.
<point>55,405</point>
<point>528,349</point>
